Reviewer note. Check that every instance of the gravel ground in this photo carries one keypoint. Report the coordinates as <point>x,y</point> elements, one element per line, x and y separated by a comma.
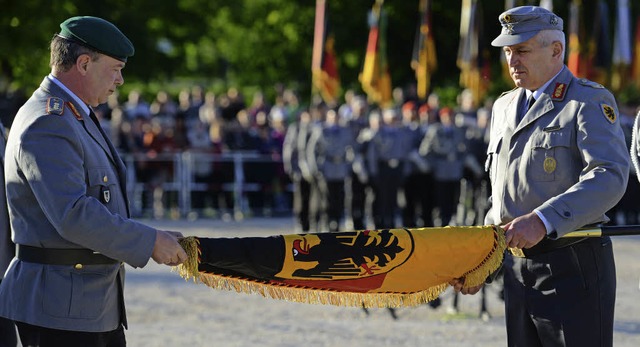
<point>164,310</point>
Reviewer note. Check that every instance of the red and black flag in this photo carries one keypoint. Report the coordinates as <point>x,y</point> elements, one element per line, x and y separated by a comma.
<point>324,67</point>
<point>370,268</point>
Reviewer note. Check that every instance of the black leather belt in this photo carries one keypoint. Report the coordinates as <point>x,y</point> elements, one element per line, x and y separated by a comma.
<point>62,256</point>
<point>546,245</point>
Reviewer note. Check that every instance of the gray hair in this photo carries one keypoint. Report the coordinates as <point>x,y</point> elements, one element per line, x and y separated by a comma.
<point>547,37</point>
<point>65,53</point>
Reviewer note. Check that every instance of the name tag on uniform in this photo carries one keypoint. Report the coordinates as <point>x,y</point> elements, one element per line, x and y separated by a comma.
<point>552,128</point>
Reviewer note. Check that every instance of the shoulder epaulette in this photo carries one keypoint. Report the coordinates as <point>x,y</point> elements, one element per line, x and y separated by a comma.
<point>588,83</point>
<point>55,106</point>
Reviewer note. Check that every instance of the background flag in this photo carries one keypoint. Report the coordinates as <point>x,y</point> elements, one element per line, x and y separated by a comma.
<point>600,45</point>
<point>424,60</point>
<point>324,69</point>
<point>575,56</point>
<point>621,46</point>
<point>375,77</point>
<point>473,56</point>
<point>635,65</point>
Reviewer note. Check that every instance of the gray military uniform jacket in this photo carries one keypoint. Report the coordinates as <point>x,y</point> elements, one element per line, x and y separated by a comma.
<point>6,245</point>
<point>330,152</point>
<point>58,169</point>
<point>567,158</point>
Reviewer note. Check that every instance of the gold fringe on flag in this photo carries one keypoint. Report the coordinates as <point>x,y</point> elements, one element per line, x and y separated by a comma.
<point>400,280</point>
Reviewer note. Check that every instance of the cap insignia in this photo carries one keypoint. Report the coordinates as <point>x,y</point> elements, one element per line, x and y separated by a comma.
<point>55,106</point>
<point>554,20</point>
<point>509,28</point>
<point>609,113</point>
<point>506,18</point>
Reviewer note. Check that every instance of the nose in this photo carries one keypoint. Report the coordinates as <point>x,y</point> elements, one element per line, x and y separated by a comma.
<point>511,60</point>
<point>119,79</point>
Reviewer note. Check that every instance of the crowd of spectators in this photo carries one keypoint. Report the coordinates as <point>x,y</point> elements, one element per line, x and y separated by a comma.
<point>151,132</point>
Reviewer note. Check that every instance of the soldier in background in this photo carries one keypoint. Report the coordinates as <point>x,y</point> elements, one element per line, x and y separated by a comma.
<point>329,155</point>
<point>295,165</point>
<point>357,192</point>
<point>387,155</point>
<point>415,185</point>
<point>445,146</point>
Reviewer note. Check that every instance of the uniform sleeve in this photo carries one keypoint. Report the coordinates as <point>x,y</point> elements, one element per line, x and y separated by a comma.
<point>605,158</point>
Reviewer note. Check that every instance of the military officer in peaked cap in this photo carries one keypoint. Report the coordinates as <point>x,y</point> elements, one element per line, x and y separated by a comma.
<point>557,160</point>
<point>67,200</point>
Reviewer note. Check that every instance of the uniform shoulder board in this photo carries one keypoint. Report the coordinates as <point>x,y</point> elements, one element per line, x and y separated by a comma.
<point>55,106</point>
<point>592,84</point>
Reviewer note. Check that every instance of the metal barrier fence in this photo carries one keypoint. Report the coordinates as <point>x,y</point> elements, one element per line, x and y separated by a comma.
<point>157,182</point>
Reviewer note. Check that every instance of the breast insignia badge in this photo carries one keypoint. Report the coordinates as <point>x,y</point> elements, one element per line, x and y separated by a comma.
<point>550,164</point>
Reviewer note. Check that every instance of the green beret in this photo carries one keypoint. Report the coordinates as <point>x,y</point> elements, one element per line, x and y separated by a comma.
<point>97,34</point>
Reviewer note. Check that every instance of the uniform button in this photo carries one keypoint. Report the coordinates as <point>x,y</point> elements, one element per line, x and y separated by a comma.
<point>78,266</point>
<point>105,179</point>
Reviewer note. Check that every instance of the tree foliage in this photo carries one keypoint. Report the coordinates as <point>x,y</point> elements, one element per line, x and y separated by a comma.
<point>239,43</point>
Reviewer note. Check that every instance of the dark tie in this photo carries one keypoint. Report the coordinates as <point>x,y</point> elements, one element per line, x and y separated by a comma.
<point>530,102</point>
<point>525,108</point>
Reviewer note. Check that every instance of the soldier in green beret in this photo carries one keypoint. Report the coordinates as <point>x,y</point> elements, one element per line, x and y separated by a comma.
<point>67,200</point>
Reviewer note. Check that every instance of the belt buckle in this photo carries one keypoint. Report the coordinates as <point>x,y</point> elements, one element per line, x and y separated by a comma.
<point>516,252</point>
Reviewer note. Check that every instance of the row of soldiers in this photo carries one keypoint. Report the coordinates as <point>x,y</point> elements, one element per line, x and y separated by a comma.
<point>412,165</point>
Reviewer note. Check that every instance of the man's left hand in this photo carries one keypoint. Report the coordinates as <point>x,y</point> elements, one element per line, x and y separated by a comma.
<point>524,231</point>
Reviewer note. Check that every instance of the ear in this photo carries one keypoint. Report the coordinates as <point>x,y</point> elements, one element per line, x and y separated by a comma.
<point>557,49</point>
<point>82,63</point>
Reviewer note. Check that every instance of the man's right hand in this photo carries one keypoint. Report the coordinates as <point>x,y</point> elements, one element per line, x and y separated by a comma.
<point>167,250</point>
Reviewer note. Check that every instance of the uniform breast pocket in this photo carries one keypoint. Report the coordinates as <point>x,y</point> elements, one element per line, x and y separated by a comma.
<point>549,155</point>
<point>102,185</point>
<point>491,164</point>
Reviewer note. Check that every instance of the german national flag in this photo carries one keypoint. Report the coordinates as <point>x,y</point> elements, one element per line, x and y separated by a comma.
<point>424,60</point>
<point>370,268</point>
<point>324,67</point>
<point>375,77</point>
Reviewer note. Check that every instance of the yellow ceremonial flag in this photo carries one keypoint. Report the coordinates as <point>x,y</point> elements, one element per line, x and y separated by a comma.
<point>370,268</point>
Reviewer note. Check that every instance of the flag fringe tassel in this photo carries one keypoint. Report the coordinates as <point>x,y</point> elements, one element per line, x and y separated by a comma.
<point>189,270</point>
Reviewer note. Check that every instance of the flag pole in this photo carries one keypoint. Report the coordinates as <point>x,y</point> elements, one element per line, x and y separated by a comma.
<point>613,230</point>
